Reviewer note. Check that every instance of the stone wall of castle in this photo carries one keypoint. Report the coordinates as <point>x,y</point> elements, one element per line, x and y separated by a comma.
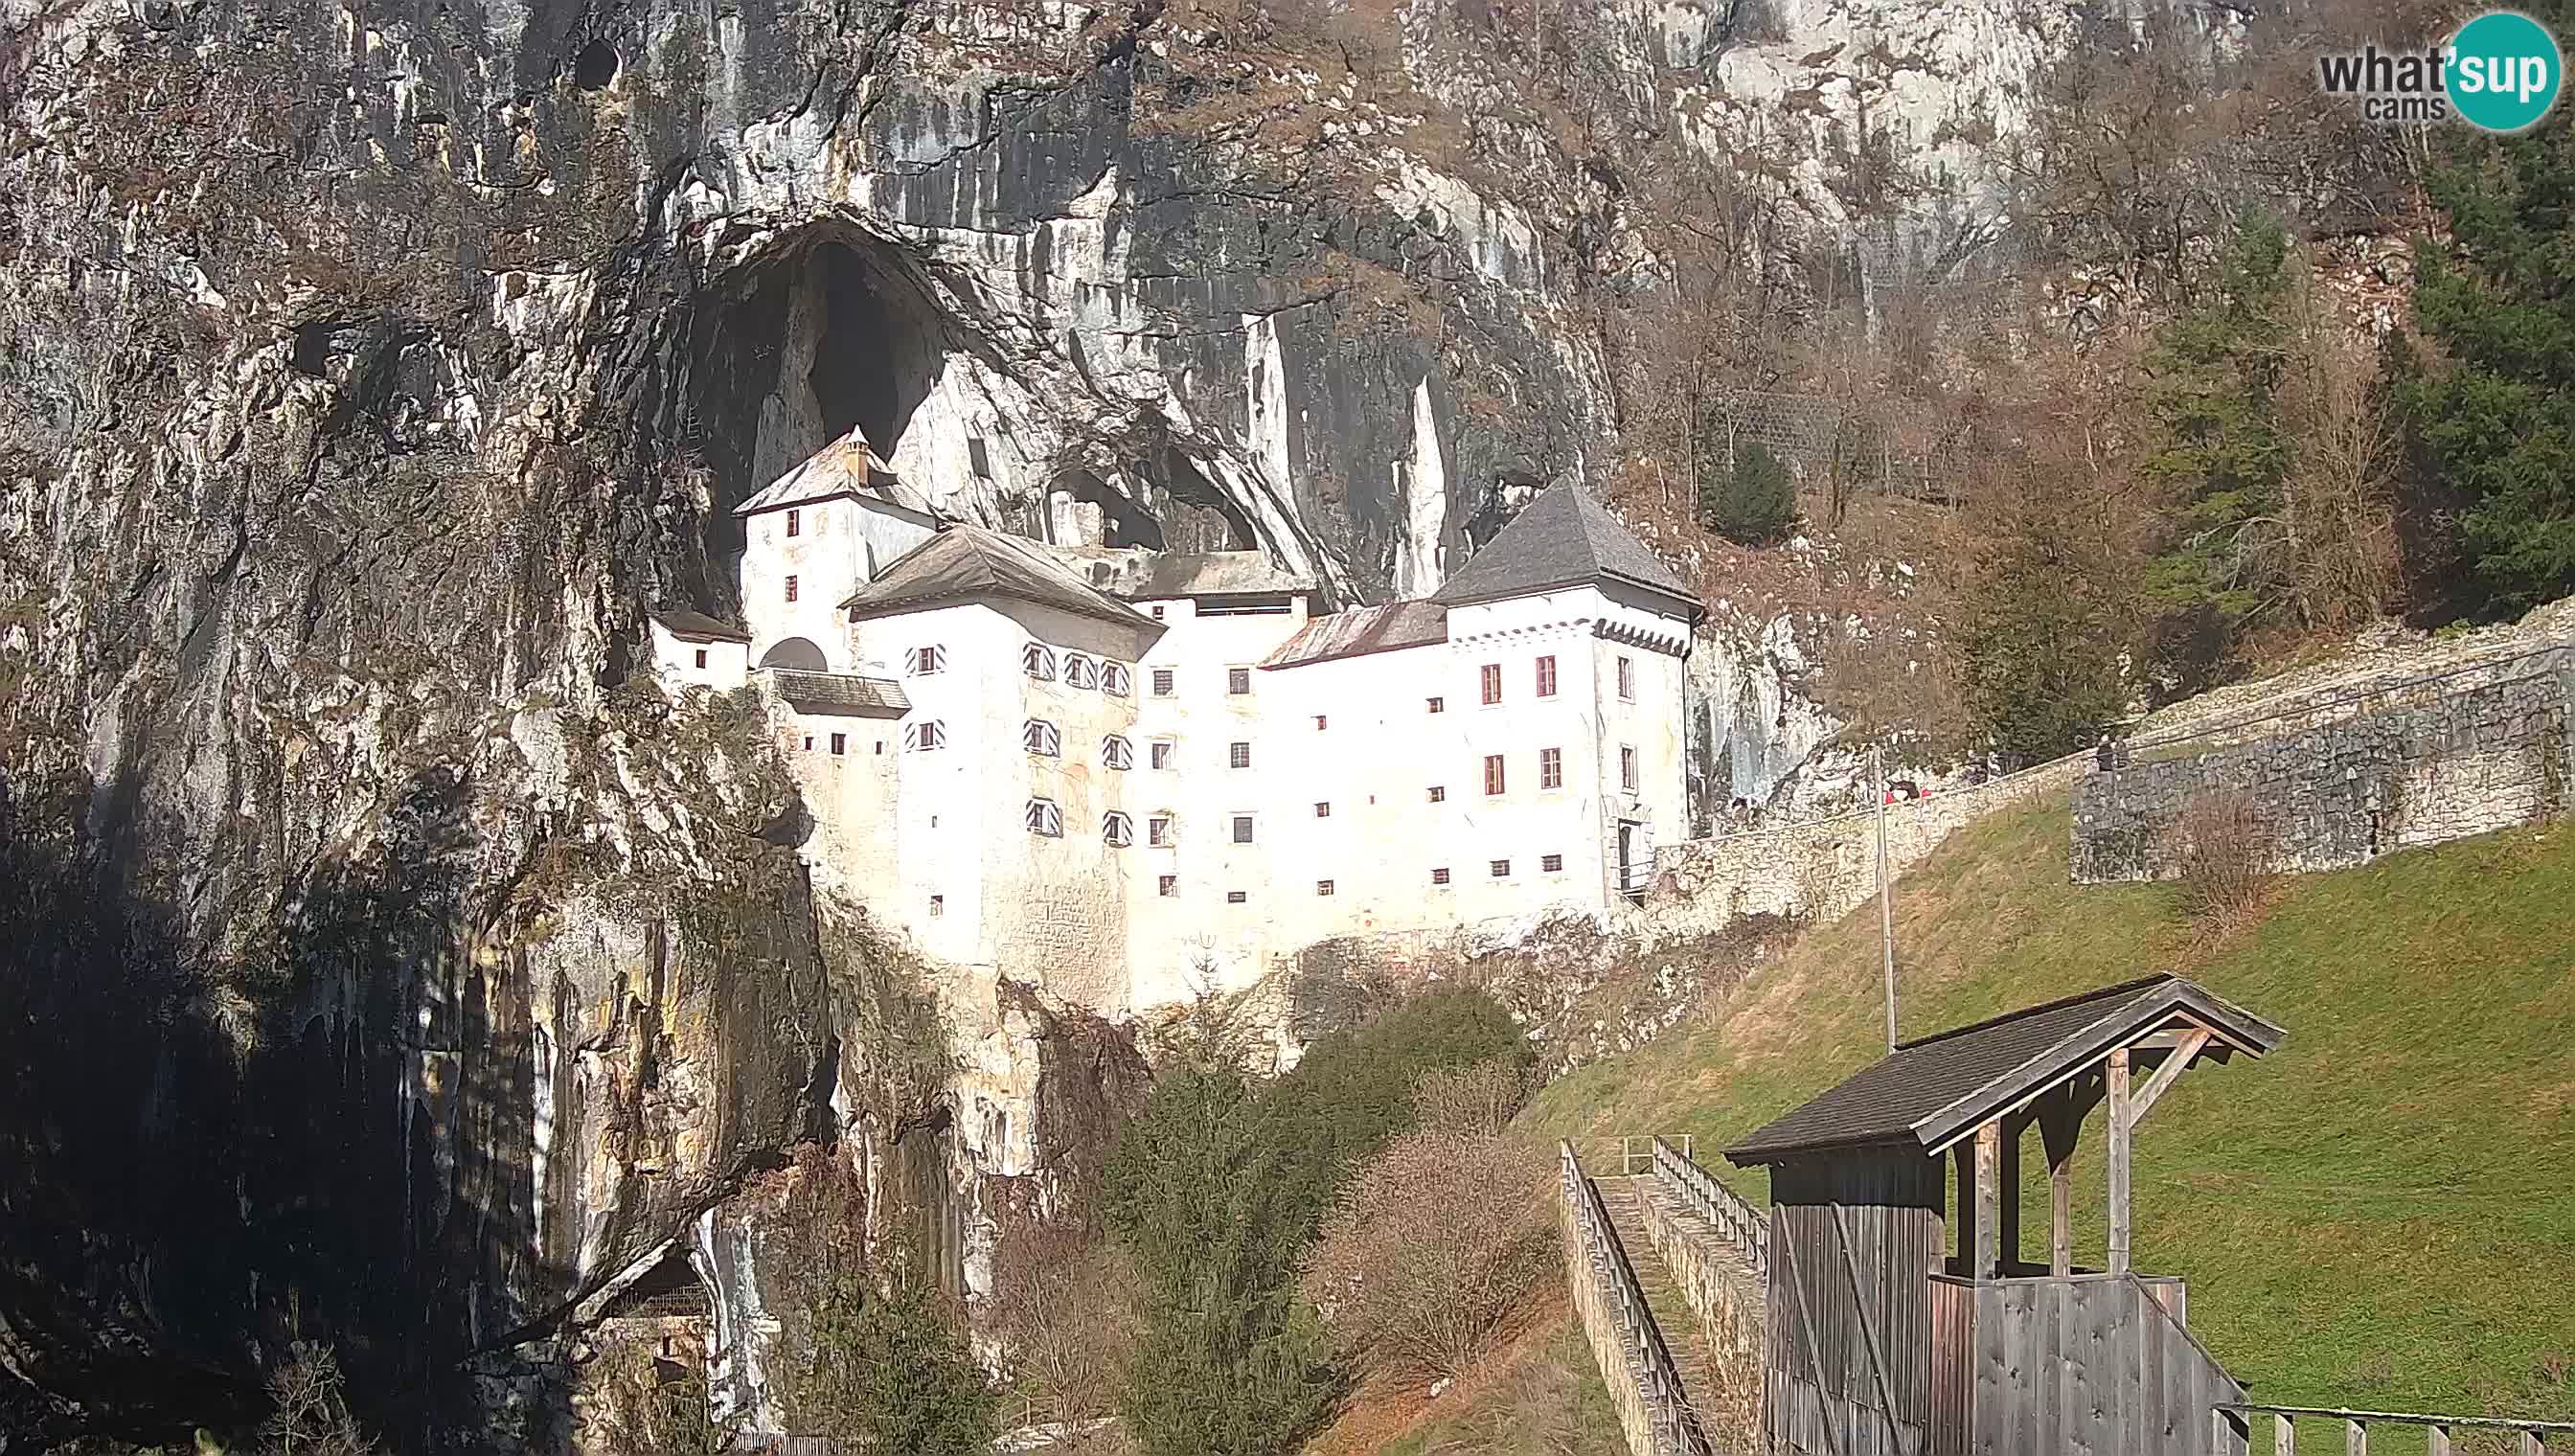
<point>2339,783</point>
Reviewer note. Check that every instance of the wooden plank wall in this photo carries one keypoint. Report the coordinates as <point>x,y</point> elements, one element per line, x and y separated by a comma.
<point>1853,1242</point>
<point>2092,1365</point>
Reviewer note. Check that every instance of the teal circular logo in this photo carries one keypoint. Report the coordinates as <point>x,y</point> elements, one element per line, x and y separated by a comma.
<point>2502,71</point>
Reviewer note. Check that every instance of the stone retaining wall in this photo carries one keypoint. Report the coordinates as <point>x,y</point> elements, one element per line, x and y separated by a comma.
<point>2432,768</point>
<point>1819,870</point>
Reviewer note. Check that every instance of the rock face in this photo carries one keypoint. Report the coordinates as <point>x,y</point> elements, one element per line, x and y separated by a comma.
<point>369,367</point>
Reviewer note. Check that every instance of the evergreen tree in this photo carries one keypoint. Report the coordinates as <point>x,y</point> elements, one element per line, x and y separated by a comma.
<point>2496,420</point>
<point>1231,1363</point>
<point>2038,657</point>
<point>1753,500</point>
<point>2224,452</point>
<point>890,1370</point>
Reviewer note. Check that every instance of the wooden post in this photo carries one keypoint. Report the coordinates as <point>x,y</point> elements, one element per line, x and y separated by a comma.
<point>2060,1120</point>
<point>2284,1435</point>
<point>1965,1153</point>
<point>2355,1439</point>
<point>2530,1444</point>
<point>2119,1262</point>
<point>2439,1444</point>
<point>1990,1152</point>
<point>2008,1237</point>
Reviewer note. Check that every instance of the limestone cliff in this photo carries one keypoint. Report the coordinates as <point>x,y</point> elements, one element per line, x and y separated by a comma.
<point>369,367</point>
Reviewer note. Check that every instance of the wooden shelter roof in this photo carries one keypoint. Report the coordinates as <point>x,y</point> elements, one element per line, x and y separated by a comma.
<point>1928,1093</point>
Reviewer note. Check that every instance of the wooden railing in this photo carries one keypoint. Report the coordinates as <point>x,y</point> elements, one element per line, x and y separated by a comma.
<point>1715,1202</point>
<point>2534,1437</point>
<point>1671,1426</point>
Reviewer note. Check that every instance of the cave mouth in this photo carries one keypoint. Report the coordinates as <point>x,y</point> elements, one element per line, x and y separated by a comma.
<point>596,66</point>
<point>828,330</point>
<point>881,347</point>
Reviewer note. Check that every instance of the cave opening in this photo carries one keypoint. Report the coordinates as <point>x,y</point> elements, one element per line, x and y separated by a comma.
<point>1195,515</point>
<point>595,67</point>
<point>832,330</point>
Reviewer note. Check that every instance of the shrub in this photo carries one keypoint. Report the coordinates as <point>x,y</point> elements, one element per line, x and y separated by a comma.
<point>1440,1236</point>
<point>1063,1318</point>
<point>1753,500</point>
<point>2223,847</point>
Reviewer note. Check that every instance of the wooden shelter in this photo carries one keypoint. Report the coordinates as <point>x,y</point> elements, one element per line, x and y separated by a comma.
<point>1886,1336</point>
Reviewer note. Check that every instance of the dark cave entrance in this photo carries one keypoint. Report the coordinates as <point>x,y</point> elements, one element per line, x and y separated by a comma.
<point>881,344</point>
<point>832,330</point>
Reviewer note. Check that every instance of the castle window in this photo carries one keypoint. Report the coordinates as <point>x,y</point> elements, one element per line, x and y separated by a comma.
<point>1626,680</point>
<point>1438,705</point>
<point>839,743</point>
<point>1322,810</point>
<point>1235,896</point>
<point>795,523</point>
<point>1551,864</point>
<point>1117,829</point>
<point>1079,672</point>
<point>1238,681</point>
<point>1116,753</point>
<point>1550,767</point>
<point>1040,736</point>
<point>1115,680</point>
<point>808,742</point>
<point>1238,754</point>
<point>1323,886</point>
<point>1242,828</point>
<point>1157,612</point>
<point>1045,818</point>
<point>1500,868</point>
<point>1163,753</point>
<point>921,661</point>
<point>1319,723</point>
<point>1439,793</point>
<point>1492,772</point>
<point>1037,661</point>
<point>1627,767</point>
<point>1168,886</point>
<point>701,656</point>
<point>790,588</point>
<point>1439,876</point>
<point>1492,675</point>
<point>1546,676</point>
<point>938,905</point>
<point>1161,681</point>
<point>1159,831</point>
<point>921,737</point>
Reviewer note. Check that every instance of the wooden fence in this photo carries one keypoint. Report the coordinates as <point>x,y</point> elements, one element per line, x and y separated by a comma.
<point>2531,1438</point>
<point>2092,1363</point>
<point>1718,1204</point>
<point>1634,1362</point>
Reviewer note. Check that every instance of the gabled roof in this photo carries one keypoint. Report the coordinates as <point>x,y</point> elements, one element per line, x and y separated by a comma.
<point>1928,1093</point>
<point>847,467</point>
<point>1562,538</point>
<point>1140,574</point>
<point>1381,628</point>
<point>842,693</point>
<point>698,626</point>
<point>963,563</point>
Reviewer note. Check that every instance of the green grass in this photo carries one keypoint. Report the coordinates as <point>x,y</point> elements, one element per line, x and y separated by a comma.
<point>2381,1213</point>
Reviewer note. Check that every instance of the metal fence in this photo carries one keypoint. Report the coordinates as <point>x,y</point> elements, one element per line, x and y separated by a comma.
<point>1720,1206</point>
<point>1671,1427</point>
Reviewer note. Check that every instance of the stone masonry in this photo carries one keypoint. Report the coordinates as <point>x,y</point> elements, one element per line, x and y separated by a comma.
<point>2434,760</point>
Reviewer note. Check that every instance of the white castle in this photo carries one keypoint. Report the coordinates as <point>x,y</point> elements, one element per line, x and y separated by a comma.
<point>1123,774</point>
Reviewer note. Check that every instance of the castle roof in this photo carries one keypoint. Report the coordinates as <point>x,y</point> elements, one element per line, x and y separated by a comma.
<point>847,466</point>
<point>1362,629</point>
<point>964,563</point>
<point>1562,538</point>
<point>1140,574</point>
<point>698,626</point>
